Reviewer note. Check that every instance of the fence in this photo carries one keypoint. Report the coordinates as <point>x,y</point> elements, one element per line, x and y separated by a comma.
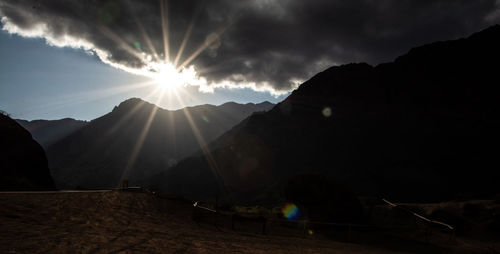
<point>421,228</point>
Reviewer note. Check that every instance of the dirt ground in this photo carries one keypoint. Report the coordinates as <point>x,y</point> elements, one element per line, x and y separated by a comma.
<point>124,222</point>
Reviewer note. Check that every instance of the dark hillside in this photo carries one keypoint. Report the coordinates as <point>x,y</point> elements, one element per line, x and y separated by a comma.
<point>421,128</point>
<point>23,165</point>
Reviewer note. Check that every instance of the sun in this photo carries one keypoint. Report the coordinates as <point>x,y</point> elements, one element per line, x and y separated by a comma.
<point>168,77</point>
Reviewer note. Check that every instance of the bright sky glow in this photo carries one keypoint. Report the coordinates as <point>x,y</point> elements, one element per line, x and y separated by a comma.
<point>162,78</point>
<point>162,71</point>
<point>170,78</point>
<point>38,81</point>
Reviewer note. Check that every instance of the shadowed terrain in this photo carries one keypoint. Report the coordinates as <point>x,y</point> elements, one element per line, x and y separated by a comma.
<point>124,222</point>
<point>421,128</point>
<point>111,222</point>
<point>137,140</point>
<point>23,165</point>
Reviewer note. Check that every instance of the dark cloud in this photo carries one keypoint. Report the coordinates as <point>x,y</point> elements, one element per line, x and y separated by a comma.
<point>265,44</point>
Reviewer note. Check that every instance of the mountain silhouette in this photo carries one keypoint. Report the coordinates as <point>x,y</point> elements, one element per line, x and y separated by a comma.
<point>421,128</point>
<point>47,132</point>
<point>137,140</point>
<point>23,165</point>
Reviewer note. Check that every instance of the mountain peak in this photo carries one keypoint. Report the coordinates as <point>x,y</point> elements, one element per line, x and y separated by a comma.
<point>128,104</point>
<point>229,103</point>
<point>133,100</point>
<point>264,103</point>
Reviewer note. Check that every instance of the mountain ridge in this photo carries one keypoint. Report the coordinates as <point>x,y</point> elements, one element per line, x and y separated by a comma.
<point>47,132</point>
<point>136,139</point>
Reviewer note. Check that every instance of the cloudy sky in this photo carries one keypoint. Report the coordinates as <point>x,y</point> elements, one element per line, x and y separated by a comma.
<point>79,58</point>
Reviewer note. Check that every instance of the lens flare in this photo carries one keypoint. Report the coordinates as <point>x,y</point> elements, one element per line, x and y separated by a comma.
<point>137,45</point>
<point>290,211</point>
<point>205,119</point>
<point>327,112</point>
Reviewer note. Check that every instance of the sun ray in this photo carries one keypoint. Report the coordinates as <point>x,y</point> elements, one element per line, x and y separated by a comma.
<point>108,92</point>
<point>110,34</point>
<point>140,141</point>
<point>172,128</point>
<point>92,95</point>
<point>203,46</point>
<point>144,34</point>
<point>164,26</point>
<point>194,19</point>
<point>203,145</point>
<point>183,44</point>
<point>211,68</point>
<point>184,94</point>
<point>147,39</point>
<point>125,117</point>
<point>131,112</point>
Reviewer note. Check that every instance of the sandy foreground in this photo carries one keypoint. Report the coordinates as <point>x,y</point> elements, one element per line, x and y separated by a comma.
<point>124,222</point>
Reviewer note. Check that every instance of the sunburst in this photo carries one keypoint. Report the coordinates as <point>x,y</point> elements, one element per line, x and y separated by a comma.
<point>167,77</point>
